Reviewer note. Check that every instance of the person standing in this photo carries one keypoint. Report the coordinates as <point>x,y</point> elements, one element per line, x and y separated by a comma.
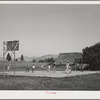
<point>53,67</point>
<point>67,67</point>
<point>27,68</point>
<point>82,68</point>
<point>42,67</point>
<point>8,68</point>
<point>33,67</point>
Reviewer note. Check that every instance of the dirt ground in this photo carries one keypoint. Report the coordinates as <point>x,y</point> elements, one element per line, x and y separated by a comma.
<point>57,74</point>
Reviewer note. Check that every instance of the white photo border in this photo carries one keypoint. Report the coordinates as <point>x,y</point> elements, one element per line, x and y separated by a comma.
<point>49,94</point>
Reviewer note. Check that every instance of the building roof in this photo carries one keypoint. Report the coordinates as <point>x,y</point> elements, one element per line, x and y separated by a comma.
<point>63,58</point>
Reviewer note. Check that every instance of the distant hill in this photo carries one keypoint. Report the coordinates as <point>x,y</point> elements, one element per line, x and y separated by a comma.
<point>47,56</point>
<point>38,58</point>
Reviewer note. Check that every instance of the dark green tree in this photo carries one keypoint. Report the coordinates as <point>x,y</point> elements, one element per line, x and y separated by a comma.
<point>22,58</point>
<point>50,60</point>
<point>41,61</point>
<point>34,60</point>
<point>15,59</point>
<point>8,57</point>
<point>91,56</point>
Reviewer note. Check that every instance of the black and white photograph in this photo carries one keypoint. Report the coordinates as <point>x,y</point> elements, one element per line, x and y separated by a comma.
<point>50,47</point>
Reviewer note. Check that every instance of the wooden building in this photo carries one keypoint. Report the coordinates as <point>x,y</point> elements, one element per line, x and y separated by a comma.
<point>72,58</point>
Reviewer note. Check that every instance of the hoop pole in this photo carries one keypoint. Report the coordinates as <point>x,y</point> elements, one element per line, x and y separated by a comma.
<point>3,61</point>
<point>75,63</point>
<point>14,63</point>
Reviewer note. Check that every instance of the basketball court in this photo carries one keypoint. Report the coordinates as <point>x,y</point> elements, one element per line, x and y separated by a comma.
<point>56,74</point>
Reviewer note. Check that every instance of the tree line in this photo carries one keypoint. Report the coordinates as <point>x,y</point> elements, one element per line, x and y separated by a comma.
<point>91,56</point>
<point>52,60</point>
<point>9,58</point>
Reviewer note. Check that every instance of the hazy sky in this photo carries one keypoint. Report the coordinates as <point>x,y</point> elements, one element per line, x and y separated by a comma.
<point>49,29</point>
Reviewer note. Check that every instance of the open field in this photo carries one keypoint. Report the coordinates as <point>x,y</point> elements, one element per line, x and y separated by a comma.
<point>56,74</point>
<point>80,82</point>
<point>44,80</point>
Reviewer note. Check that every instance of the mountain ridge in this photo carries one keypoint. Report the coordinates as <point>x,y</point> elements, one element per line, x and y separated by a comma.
<point>26,58</point>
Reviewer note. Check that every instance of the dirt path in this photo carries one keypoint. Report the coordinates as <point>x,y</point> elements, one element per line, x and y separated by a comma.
<point>57,74</point>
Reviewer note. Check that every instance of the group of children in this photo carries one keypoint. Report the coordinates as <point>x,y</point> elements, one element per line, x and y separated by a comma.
<point>28,68</point>
<point>48,68</point>
<point>68,68</point>
<point>42,67</point>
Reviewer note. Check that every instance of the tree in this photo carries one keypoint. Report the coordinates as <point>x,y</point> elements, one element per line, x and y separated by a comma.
<point>34,60</point>
<point>15,59</point>
<point>41,61</point>
<point>50,60</point>
<point>8,57</point>
<point>22,58</point>
<point>91,56</point>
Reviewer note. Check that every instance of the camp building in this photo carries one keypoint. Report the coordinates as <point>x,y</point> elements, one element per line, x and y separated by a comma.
<point>72,58</point>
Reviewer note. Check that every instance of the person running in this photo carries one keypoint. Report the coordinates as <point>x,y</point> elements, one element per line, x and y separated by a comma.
<point>33,67</point>
<point>49,68</point>
<point>68,68</point>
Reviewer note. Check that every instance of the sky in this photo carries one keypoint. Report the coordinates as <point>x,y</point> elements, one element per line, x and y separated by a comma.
<point>49,29</point>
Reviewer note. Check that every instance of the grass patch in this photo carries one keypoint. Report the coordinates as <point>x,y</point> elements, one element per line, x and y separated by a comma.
<point>84,82</point>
